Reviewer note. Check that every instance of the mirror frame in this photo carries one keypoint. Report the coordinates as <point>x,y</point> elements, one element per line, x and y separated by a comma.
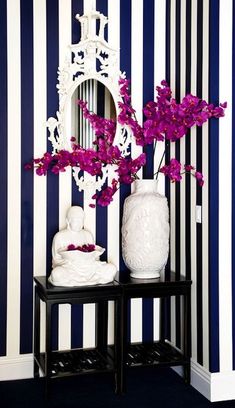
<point>80,65</point>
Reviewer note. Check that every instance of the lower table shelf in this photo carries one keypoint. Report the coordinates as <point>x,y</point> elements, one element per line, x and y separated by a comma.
<point>77,361</point>
<point>159,353</point>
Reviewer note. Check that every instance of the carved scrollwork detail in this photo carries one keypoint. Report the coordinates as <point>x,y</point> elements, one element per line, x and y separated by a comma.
<point>91,184</point>
<point>92,58</point>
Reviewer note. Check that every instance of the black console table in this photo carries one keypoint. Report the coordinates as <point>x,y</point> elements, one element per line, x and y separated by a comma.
<point>102,358</point>
<point>118,358</point>
<point>159,353</point>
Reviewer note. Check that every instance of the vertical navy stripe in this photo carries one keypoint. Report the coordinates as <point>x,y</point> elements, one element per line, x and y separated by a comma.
<point>125,65</point>
<point>199,189</point>
<point>148,73</point>
<point>148,94</point>
<point>52,22</point>
<point>77,196</point>
<point>26,301</point>
<point>168,75</point>
<point>214,191</point>
<point>125,37</point>
<point>3,179</point>
<point>167,303</point>
<point>77,8</point>
<point>102,7</point>
<point>102,212</point>
<point>233,188</point>
<point>177,185</point>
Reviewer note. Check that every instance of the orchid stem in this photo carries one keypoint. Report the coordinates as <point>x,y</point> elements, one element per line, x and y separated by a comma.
<point>159,165</point>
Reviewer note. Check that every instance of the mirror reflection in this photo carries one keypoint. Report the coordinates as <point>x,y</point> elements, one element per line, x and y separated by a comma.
<point>100,101</point>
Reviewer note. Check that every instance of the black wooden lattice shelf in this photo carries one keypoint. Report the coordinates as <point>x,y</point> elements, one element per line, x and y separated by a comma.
<point>118,358</point>
<point>78,361</point>
<point>157,353</point>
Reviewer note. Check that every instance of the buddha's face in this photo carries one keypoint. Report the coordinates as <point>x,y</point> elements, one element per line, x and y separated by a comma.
<point>76,223</point>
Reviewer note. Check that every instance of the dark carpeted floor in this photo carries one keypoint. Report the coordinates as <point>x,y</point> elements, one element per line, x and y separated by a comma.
<point>147,388</point>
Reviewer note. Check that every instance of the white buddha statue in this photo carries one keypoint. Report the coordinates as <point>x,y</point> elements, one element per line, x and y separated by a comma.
<point>74,267</point>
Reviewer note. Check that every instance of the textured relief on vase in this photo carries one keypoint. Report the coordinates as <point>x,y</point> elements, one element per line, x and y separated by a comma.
<point>145,231</point>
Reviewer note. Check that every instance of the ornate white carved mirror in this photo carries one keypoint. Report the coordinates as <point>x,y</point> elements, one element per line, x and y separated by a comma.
<point>90,73</point>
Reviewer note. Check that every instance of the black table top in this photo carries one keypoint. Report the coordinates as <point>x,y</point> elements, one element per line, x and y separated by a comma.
<point>171,278</point>
<point>47,287</point>
<point>121,279</point>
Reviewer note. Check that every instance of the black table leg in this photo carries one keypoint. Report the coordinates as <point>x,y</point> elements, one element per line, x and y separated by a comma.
<point>118,344</point>
<point>36,343</point>
<point>121,321</point>
<point>187,335</point>
<point>48,350</point>
<point>102,325</point>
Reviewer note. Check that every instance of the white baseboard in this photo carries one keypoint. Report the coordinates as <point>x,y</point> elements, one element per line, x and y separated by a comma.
<point>16,368</point>
<point>200,378</point>
<point>214,386</point>
<point>222,386</point>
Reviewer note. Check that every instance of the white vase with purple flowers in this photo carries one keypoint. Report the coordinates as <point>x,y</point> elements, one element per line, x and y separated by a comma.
<point>145,231</point>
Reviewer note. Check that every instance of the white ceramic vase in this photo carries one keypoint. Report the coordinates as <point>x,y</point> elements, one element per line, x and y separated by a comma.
<point>145,231</point>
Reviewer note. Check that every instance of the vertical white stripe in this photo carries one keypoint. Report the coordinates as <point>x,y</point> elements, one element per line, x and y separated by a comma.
<point>205,194</point>
<point>159,41</point>
<point>137,64</point>
<point>108,99</point>
<point>159,75</point>
<point>64,42</point>
<point>89,5</point>
<point>14,176</point>
<point>90,224</point>
<point>193,183</point>
<point>40,134</point>
<point>64,178</point>
<point>113,220</point>
<point>137,101</point>
<point>172,152</point>
<point>156,319</point>
<point>225,183</point>
<point>89,325</point>
<point>114,23</point>
<point>83,130</point>
<point>113,217</point>
<point>89,309</point>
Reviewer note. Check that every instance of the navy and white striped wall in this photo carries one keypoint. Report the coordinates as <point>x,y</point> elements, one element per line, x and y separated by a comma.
<point>188,42</point>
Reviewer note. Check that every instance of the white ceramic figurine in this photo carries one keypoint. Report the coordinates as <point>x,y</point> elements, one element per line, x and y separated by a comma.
<point>75,267</point>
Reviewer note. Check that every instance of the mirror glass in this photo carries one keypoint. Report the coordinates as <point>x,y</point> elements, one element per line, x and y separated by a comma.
<point>100,101</point>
